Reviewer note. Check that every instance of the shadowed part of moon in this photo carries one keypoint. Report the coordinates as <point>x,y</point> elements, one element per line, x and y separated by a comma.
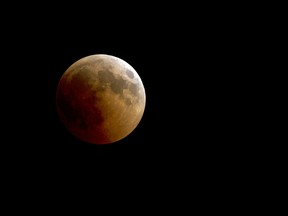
<point>75,114</point>
<point>76,107</point>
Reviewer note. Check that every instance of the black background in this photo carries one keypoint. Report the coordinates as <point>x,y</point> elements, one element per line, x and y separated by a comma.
<point>194,128</point>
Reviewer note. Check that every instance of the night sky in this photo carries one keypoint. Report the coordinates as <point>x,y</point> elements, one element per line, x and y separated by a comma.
<point>183,114</point>
<point>193,127</point>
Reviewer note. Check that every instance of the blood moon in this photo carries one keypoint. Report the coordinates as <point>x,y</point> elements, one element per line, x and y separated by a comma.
<point>100,99</point>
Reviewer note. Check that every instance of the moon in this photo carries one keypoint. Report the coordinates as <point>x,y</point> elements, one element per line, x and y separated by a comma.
<point>100,99</point>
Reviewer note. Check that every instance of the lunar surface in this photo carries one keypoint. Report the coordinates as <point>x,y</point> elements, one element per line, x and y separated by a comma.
<point>100,99</point>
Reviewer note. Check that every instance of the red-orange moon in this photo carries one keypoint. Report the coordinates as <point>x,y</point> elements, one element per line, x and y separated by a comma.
<point>100,99</point>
